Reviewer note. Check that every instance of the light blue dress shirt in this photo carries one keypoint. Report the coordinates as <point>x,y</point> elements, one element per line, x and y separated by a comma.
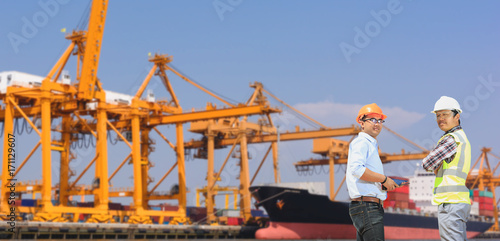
<point>363,153</point>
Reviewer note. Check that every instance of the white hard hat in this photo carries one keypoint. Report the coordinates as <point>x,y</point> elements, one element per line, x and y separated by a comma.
<point>446,103</point>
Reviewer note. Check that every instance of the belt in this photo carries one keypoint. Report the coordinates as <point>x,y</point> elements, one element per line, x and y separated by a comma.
<point>368,199</point>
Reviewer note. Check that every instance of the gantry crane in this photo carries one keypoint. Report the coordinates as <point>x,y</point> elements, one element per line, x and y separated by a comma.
<point>232,132</point>
<point>485,177</point>
<point>83,108</point>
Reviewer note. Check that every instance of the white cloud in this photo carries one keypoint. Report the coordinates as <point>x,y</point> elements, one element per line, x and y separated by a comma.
<point>335,114</point>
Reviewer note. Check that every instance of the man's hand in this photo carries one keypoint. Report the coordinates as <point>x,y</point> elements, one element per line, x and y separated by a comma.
<point>390,184</point>
<point>437,169</point>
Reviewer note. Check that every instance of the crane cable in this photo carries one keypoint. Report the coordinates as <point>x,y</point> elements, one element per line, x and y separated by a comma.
<point>198,83</point>
<point>84,19</point>
<point>407,140</point>
<point>110,139</point>
<point>296,112</point>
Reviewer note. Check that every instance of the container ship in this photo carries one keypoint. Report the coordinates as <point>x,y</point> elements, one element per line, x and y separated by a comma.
<point>302,211</point>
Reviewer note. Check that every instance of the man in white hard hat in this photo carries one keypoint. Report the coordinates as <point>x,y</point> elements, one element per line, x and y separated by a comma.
<point>450,160</point>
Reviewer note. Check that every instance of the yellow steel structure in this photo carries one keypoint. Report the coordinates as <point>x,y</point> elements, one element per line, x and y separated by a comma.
<point>93,43</point>
<point>226,191</point>
<point>82,108</point>
<point>230,132</point>
<point>484,177</point>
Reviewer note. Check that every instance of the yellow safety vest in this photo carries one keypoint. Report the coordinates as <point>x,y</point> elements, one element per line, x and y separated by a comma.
<point>449,186</point>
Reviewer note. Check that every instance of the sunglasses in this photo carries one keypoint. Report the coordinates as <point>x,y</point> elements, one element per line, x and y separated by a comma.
<point>375,121</point>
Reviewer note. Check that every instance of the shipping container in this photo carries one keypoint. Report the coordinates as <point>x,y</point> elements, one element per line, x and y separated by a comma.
<point>115,206</point>
<point>389,204</point>
<point>16,203</point>
<point>403,189</point>
<point>487,200</point>
<point>485,194</point>
<point>488,213</point>
<point>197,214</point>
<point>234,221</point>
<point>486,206</point>
<point>85,204</point>
<point>165,207</point>
<point>29,202</point>
<point>156,208</point>
<point>257,213</point>
<point>228,212</point>
<point>397,196</point>
<point>411,205</point>
<point>478,193</point>
<point>401,204</point>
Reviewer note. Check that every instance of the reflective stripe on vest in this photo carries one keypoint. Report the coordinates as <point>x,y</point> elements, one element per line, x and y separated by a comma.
<point>458,188</point>
<point>454,172</point>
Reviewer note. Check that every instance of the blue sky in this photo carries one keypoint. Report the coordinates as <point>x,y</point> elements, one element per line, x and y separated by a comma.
<point>326,58</point>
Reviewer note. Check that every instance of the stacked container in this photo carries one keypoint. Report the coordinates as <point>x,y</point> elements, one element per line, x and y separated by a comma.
<point>399,197</point>
<point>482,203</point>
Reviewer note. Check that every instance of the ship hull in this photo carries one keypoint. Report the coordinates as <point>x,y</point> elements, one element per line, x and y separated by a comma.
<point>297,214</point>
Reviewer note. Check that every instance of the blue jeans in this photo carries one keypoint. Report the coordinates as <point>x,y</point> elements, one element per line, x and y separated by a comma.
<point>368,219</point>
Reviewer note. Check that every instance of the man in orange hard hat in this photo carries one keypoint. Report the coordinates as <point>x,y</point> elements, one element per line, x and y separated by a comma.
<point>365,176</point>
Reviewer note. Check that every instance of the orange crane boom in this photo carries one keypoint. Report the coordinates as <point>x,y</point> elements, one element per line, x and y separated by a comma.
<point>88,81</point>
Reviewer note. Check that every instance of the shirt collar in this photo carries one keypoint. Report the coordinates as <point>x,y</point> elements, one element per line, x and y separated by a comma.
<point>368,137</point>
<point>456,128</point>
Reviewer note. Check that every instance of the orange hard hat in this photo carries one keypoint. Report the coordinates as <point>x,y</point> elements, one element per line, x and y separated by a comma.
<point>370,109</point>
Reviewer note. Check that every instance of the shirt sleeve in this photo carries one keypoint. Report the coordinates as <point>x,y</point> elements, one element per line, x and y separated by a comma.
<point>445,149</point>
<point>357,159</point>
